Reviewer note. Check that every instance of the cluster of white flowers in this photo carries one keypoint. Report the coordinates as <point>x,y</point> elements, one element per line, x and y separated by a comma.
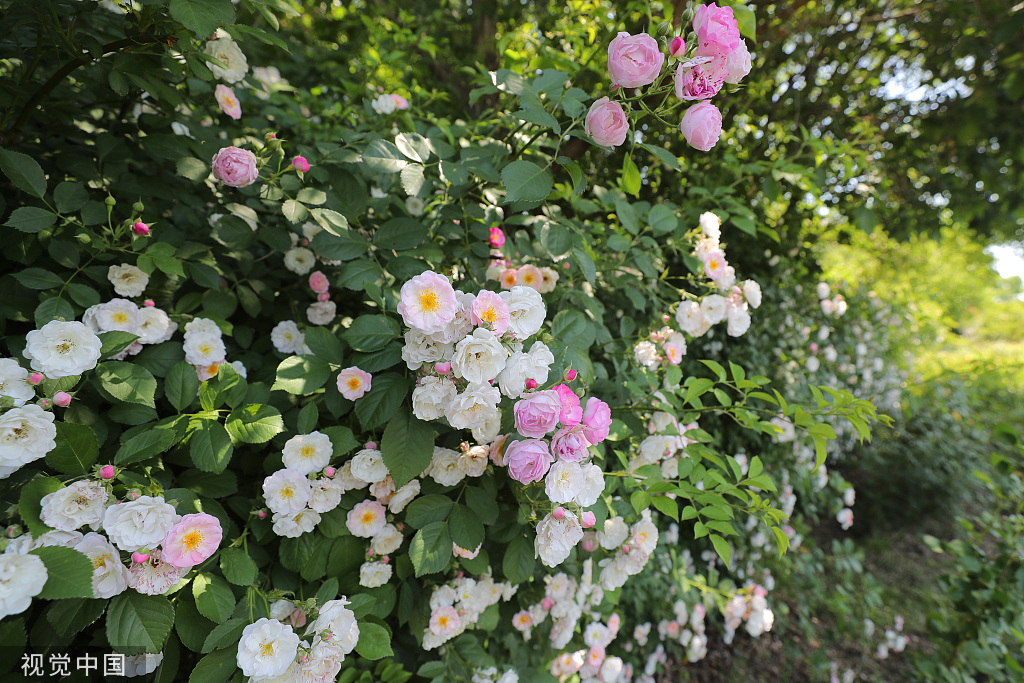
<point>271,650</point>
<point>205,349</point>
<point>835,306</point>
<point>458,604</point>
<point>664,346</point>
<point>490,675</point>
<point>750,606</point>
<point>543,279</point>
<point>151,324</point>
<point>665,445</point>
<point>632,551</point>
<point>306,487</point>
<point>288,338</point>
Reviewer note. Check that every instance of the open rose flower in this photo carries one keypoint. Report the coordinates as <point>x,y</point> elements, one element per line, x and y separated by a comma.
<point>353,383</point>
<point>696,84</point>
<point>192,540</point>
<point>634,61</point>
<point>528,460</point>
<point>597,420</point>
<point>607,123</point>
<point>571,413</point>
<point>716,27</point>
<point>229,104</point>
<point>235,167</point>
<point>537,414</point>
<point>702,126</point>
<point>428,302</point>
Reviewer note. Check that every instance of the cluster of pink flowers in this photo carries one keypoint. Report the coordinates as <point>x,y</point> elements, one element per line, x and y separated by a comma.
<point>663,347</point>
<point>719,56</point>
<point>543,279</point>
<point>457,605</point>
<point>162,545</point>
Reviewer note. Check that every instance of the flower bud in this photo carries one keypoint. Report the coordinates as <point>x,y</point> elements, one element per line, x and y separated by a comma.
<point>134,495</point>
<point>149,303</point>
<point>559,512</point>
<point>664,28</point>
<point>140,228</point>
<point>138,207</point>
<point>588,519</point>
<point>300,164</point>
<point>372,445</point>
<point>62,399</point>
<point>570,375</point>
<point>442,368</point>
<point>677,48</point>
<point>108,472</point>
<point>329,471</point>
<point>531,384</point>
<point>323,296</point>
<point>45,403</point>
<point>547,603</point>
<point>139,558</point>
<point>35,378</point>
<point>262,514</point>
<point>110,201</point>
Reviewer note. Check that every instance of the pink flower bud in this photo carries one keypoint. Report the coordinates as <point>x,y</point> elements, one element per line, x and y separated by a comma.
<point>329,471</point>
<point>547,603</point>
<point>262,514</point>
<point>11,531</point>
<point>677,47</point>
<point>323,297</point>
<point>590,541</point>
<point>300,164</point>
<point>814,347</point>
<point>44,403</point>
<point>108,472</point>
<point>372,445</point>
<point>566,265</point>
<point>531,384</point>
<point>134,495</point>
<point>385,559</point>
<point>559,512</point>
<point>35,378</point>
<point>149,303</point>
<point>140,228</point>
<point>570,375</point>
<point>139,558</point>
<point>664,318</point>
<point>588,519</point>
<point>497,239</point>
<point>401,527</point>
<point>462,612</point>
<point>442,368</point>
<point>62,398</point>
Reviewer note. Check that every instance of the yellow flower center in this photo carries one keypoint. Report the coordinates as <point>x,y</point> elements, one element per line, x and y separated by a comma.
<point>354,383</point>
<point>213,369</point>
<point>442,621</point>
<point>267,648</point>
<point>307,452</point>
<point>120,318</point>
<point>429,301</point>
<point>204,349</point>
<point>192,540</point>
<point>528,278</point>
<point>489,315</point>
<point>65,346</point>
<point>287,492</point>
<point>510,279</point>
<point>368,517</point>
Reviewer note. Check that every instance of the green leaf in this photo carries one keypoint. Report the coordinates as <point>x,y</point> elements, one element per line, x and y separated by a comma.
<point>70,197</point>
<point>745,224</point>
<point>307,419</point>
<point>413,179</point>
<point>579,181</point>
<point>721,547</point>
<point>68,573</point>
<point>138,623</point>
<point>431,549</point>
<point>343,247</point>
<point>483,504</point>
<point>381,156</point>
<point>557,239</point>
<point>662,218</point>
<point>370,332</point>
<point>519,560</point>
<point>342,440</point>
<point>211,447</point>
<point>76,451</point>
<point>53,309</point>
<point>427,510</point>
<point>631,182</point>
<point>330,220</point>
<point>666,157</point>
<point>538,117</point>
<point>525,181</point>
<point>29,506</point>
<point>374,641</point>
<point>127,382</point>
<point>219,665</point>
<point>70,616</point>
<point>301,374</point>
<point>666,506</point>
<point>146,445</point>
<point>31,219</point>
<point>115,342</point>
<point>294,211</point>
<point>225,635</point>
<point>237,566</point>
<point>325,345</point>
<point>407,446</point>
<point>255,423</point>
<point>38,278</point>
<point>381,403</point>
<point>213,596</point>
<point>24,172</point>
<point>181,386</point>
<point>466,528</point>
<point>400,233</point>
<point>203,17</point>
<point>414,146</point>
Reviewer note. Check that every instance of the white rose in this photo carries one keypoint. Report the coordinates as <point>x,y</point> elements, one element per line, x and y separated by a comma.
<point>109,576</point>
<point>82,502</point>
<point>713,308</point>
<point>421,348</point>
<point>488,431</point>
<point>204,348</point>
<point>644,534</point>
<point>432,397</point>
<point>557,537</point>
<point>526,311</point>
<point>307,453</point>
<point>646,354</point>
<point>140,523</point>
<point>711,225</point>
<point>324,495</point>
<point>823,290</point>
<point>117,314</point>
<point>739,321</point>
<point>473,462</point>
<point>22,577</point>
<point>591,486</point>
<point>14,382</point>
<point>26,434</point>
<point>473,407</point>
<point>227,52</point>
<point>348,481</point>
<point>374,574</point>
<point>387,540</point>
<point>299,260</point>
<point>286,491</point>
<point>368,465</point>
<point>340,621</point>
<point>267,648</point>
<point>444,467</point>
<point>322,312</point>
<point>286,337</point>
<point>154,326</point>
<point>690,317</point>
<point>128,280</point>
<point>479,357</point>
<point>62,349</point>
<point>404,496</point>
<point>563,481</point>
<point>294,525</point>
<point>752,293</point>
<point>614,533</point>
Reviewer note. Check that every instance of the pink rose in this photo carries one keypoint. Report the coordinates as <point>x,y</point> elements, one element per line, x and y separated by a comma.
<point>597,419</point>
<point>228,102</point>
<point>634,61</point>
<point>192,540</point>
<point>606,123</point>
<point>716,27</point>
<point>696,84</point>
<point>428,302</point>
<point>537,414</point>
<point>353,383</point>
<point>569,443</point>
<point>702,126</point>
<point>235,167</point>
<point>318,282</point>
<point>497,239</point>
<point>528,460</point>
<point>737,64</point>
<point>571,413</point>
<point>490,311</point>
<point>300,164</point>
<point>400,102</point>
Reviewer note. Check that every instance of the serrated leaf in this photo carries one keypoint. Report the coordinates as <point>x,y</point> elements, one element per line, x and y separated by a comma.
<point>202,17</point>
<point>138,623</point>
<point>76,451</point>
<point>29,505</point>
<point>254,423</point>
<point>301,374</point>
<point>211,447</point>
<point>23,171</point>
<point>381,156</point>
<point>237,566</point>
<point>31,219</point>
<point>68,573</point>
<point>431,549</point>
<point>213,597</point>
<point>525,181</point>
<point>519,560</point>
<point>127,382</point>
<point>722,548</point>
<point>382,402</point>
<point>407,446</point>
<point>374,641</point>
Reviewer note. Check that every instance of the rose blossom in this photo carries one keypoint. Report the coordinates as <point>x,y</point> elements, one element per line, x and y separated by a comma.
<point>235,167</point>
<point>597,419</point>
<point>300,164</point>
<point>428,302</point>
<point>607,123</point>
<point>497,238</point>
<point>634,61</point>
<point>229,104</point>
<point>702,126</point>
<point>571,413</point>
<point>490,310</point>
<point>353,383</point>
<point>537,414</point>
<point>716,28</point>
<point>318,282</point>
<point>192,540</point>
<point>569,443</point>
<point>528,460</point>
<point>695,83</point>
<point>557,537</point>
